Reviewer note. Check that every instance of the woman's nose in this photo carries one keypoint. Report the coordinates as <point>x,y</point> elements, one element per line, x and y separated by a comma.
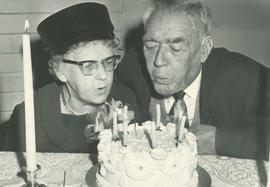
<point>101,72</point>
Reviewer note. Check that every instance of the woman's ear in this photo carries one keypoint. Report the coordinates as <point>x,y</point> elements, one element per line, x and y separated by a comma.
<point>58,71</point>
<point>61,76</point>
<point>206,47</point>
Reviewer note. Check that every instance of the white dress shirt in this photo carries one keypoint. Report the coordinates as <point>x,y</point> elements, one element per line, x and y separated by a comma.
<point>190,98</point>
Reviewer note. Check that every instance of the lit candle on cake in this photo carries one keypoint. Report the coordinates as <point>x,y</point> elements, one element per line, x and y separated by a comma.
<point>29,102</point>
<point>125,125</point>
<point>114,124</point>
<point>97,123</point>
<point>135,128</point>
<point>182,122</point>
<point>153,134</point>
<point>158,116</point>
<point>177,127</point>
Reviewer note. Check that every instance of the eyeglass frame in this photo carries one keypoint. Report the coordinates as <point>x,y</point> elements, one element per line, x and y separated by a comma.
<point>80,63</point>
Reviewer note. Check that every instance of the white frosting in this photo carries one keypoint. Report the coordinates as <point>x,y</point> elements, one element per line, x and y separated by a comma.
<point>140,165</point>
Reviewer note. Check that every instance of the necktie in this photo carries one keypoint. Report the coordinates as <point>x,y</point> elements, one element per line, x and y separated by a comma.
<point>179,105</point>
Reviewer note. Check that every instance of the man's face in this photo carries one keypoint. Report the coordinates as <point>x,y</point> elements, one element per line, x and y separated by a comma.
<point>89,89</point>
<point>172,49</point>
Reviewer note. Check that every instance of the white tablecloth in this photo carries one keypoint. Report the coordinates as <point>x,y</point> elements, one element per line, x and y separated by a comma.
<point>74,169</point>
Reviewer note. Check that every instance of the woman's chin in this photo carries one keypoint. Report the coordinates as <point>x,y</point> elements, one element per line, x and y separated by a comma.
<point>100,99</point>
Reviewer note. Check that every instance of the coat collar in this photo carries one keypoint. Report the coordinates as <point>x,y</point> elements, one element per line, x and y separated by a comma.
<point>52,120</point>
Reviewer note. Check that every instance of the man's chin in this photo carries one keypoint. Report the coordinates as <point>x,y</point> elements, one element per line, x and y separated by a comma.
<point>163,90</point>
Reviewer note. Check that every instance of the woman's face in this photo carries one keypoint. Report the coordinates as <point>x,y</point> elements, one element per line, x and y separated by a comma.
<point>88,89</point>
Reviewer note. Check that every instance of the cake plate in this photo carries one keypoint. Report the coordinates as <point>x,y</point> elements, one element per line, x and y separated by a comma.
<point>204,177</point>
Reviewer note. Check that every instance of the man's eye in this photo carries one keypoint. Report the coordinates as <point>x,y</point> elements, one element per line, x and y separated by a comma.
<point>150,45</point>
<point>176,47</point>
<point>110,61</point>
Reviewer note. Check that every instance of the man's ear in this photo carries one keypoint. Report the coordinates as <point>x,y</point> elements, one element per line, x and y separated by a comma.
<point>206,47</point>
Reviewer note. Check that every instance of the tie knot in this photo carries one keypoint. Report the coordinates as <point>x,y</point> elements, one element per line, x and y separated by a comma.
<point>179,95</point>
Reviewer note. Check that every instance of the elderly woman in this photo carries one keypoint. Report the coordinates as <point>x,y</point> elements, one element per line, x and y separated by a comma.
<point>80,40</point>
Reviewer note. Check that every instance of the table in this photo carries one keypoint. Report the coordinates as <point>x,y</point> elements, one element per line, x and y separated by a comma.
<point>55,167</point>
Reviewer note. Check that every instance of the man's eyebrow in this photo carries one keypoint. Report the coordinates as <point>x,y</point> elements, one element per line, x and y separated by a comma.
<point>176,40</point>
<point>149,40</point>
<point>170,40</point>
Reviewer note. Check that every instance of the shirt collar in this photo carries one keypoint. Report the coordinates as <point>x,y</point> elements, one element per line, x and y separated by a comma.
<point>191,93</point>
<point>193,89</point>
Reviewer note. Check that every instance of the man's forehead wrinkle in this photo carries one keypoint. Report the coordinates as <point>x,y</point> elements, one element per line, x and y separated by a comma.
<point>183,33</point>
<point>191,29</point>
<point>171,28</point>
<point>192,20</point>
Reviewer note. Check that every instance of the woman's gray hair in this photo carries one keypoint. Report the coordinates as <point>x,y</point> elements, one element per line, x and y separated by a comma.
<point>190,7</point>
<point>56,59</point>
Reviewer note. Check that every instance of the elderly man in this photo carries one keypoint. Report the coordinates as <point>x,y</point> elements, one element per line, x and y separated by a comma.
<point>225,95</point>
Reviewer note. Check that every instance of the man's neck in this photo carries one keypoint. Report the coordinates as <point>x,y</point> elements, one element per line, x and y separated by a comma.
<point>191,92</point>
<point>193,89</point>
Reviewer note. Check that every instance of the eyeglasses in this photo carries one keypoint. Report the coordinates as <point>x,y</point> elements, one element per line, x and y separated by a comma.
<point>90,67</point>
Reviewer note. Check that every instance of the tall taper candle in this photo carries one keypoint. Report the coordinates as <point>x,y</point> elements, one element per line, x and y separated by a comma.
<point>29,102</point>
<point>268,174</point>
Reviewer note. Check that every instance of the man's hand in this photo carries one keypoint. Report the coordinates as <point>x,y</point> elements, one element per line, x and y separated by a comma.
<point>206,138</point>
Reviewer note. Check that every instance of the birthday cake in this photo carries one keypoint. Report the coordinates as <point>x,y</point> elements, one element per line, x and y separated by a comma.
<point>143,157</point>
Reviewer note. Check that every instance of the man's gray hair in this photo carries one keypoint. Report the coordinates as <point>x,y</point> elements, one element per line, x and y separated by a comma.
<point>190,7</point>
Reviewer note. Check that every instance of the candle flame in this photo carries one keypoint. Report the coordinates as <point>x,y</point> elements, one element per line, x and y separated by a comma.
<point>26,26</point>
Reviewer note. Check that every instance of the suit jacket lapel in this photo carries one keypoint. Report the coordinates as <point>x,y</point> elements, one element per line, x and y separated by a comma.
<point>208,89</point>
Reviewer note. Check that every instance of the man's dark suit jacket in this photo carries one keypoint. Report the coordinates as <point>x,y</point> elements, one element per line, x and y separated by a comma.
<point>234,97</point>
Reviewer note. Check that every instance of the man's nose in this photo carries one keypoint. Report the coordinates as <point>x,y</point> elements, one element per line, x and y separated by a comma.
<point>101,73</point>
<point>160,59</point>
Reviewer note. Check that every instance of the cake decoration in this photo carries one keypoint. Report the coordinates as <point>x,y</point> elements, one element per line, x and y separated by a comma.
<point>152,154</point>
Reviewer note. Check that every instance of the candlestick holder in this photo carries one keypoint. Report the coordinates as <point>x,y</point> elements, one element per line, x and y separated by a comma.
<point>31,177</point>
